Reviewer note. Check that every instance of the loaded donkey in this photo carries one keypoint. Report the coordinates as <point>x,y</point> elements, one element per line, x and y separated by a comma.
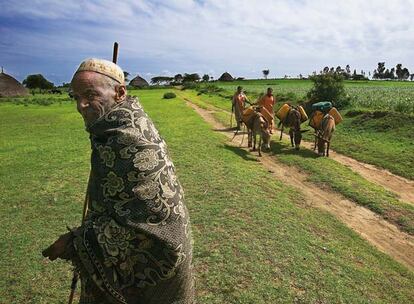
<point>256,124</point>
<point>293,121</point>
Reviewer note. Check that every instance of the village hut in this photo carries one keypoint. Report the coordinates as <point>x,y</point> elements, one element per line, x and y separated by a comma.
<point>226,77</point>
<point>10,87</point>
<point>138,82</point>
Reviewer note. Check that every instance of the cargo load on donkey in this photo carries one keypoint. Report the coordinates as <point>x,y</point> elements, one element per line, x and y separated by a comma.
<point>323,120</point>
<point>292,117</point>
<point>256,124</point>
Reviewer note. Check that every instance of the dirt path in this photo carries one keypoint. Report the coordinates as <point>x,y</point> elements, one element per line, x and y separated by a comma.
<point>402,187</point>
<point>383,235</point>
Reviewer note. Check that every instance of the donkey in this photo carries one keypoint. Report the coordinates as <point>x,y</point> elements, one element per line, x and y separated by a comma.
<point>293,121</point>
<point>257,125</point>
<point>324,135</point>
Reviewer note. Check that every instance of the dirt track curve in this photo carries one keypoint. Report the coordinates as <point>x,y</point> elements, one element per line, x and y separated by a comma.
<point>383,235</point>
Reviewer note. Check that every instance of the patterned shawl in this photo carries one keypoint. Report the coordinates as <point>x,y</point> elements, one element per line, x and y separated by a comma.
<point>134,246</point>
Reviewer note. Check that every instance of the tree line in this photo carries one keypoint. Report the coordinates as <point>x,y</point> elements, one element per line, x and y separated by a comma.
<point>38,81</point>
<point>179,78</point>
<point>398,72</point>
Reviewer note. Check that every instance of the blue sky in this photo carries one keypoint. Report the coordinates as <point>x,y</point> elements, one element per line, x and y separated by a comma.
<point>242,37</point>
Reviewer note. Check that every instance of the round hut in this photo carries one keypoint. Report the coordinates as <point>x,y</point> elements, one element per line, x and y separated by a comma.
<point>226,77</point>
<point>138,82</point>
<point>10,87</point>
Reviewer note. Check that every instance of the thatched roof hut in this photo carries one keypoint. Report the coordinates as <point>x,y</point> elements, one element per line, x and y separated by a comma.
<point>11,87</point>
<point>138,82</point>
<point>226,77</point>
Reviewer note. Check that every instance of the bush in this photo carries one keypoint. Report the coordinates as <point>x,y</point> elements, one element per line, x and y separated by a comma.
<point>403,107</point>
<point>169,95</point>
<point>190,86</point>
<point>328,87</point>
<point>209,89</point>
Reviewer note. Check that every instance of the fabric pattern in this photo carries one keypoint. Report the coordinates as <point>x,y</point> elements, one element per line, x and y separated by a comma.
<point>135,244</point>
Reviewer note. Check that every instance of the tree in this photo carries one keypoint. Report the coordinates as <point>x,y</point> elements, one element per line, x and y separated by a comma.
<point>37,81</point>
<point>338,69</point>
<point>402,73</point>
<point>399,71</point>
<point>266,73</point>
<point>178,78</point>
<point>405,73</point>
<point>411,77</point>
<point>161,80</point>
<point>348,70</point>
<point>206,77</point>
<point>126,74</point>
<point>379,72</point>
<point>328,87</point>
<point>392,73</point>
<point>194,77</point>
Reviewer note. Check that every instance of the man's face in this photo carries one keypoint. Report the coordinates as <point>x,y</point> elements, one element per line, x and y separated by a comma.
<point>94,95</point>
<point>269,92</point>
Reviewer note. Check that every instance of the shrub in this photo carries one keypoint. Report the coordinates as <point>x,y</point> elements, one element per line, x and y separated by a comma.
<point>169,95</point>
<point>189,85</point>
<point>328,87</point>
<point>209,89</point>
<point>403,107</point>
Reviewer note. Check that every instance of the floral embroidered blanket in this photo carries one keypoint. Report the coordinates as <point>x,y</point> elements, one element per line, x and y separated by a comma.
<point>134,246</point>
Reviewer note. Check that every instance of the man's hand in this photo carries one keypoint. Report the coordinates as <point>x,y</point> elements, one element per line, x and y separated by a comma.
<point>62,248</point>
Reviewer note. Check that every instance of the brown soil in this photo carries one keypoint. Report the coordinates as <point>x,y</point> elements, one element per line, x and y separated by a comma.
<point>383,235</point>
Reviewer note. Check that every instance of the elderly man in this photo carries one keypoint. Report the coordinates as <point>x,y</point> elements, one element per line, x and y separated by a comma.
<point>134,246</point>
<point>267,103</point>
<point>238,104</point>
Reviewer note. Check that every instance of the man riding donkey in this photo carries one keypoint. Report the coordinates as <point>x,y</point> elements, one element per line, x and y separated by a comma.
<point>134,245</point>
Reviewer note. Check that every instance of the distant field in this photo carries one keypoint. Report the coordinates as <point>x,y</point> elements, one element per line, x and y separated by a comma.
<point>377,95</point>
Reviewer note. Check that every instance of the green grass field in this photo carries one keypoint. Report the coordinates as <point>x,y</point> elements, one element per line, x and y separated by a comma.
<point>255,240</point>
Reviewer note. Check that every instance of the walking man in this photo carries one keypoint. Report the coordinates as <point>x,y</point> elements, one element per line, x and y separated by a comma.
<point>238,105</point>
<point>267,102</point>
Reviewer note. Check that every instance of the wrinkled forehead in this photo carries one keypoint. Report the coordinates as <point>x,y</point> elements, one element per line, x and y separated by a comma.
<point>88,79</point>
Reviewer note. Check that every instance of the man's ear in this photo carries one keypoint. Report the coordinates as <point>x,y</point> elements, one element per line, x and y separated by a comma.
<point>121,93</point>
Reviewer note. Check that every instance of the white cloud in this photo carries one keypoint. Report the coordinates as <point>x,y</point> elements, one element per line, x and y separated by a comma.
<point>239,36</point>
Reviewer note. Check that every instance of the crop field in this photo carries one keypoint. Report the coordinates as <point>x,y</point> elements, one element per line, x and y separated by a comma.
<point>256,241</point>
<point>374,95</point>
